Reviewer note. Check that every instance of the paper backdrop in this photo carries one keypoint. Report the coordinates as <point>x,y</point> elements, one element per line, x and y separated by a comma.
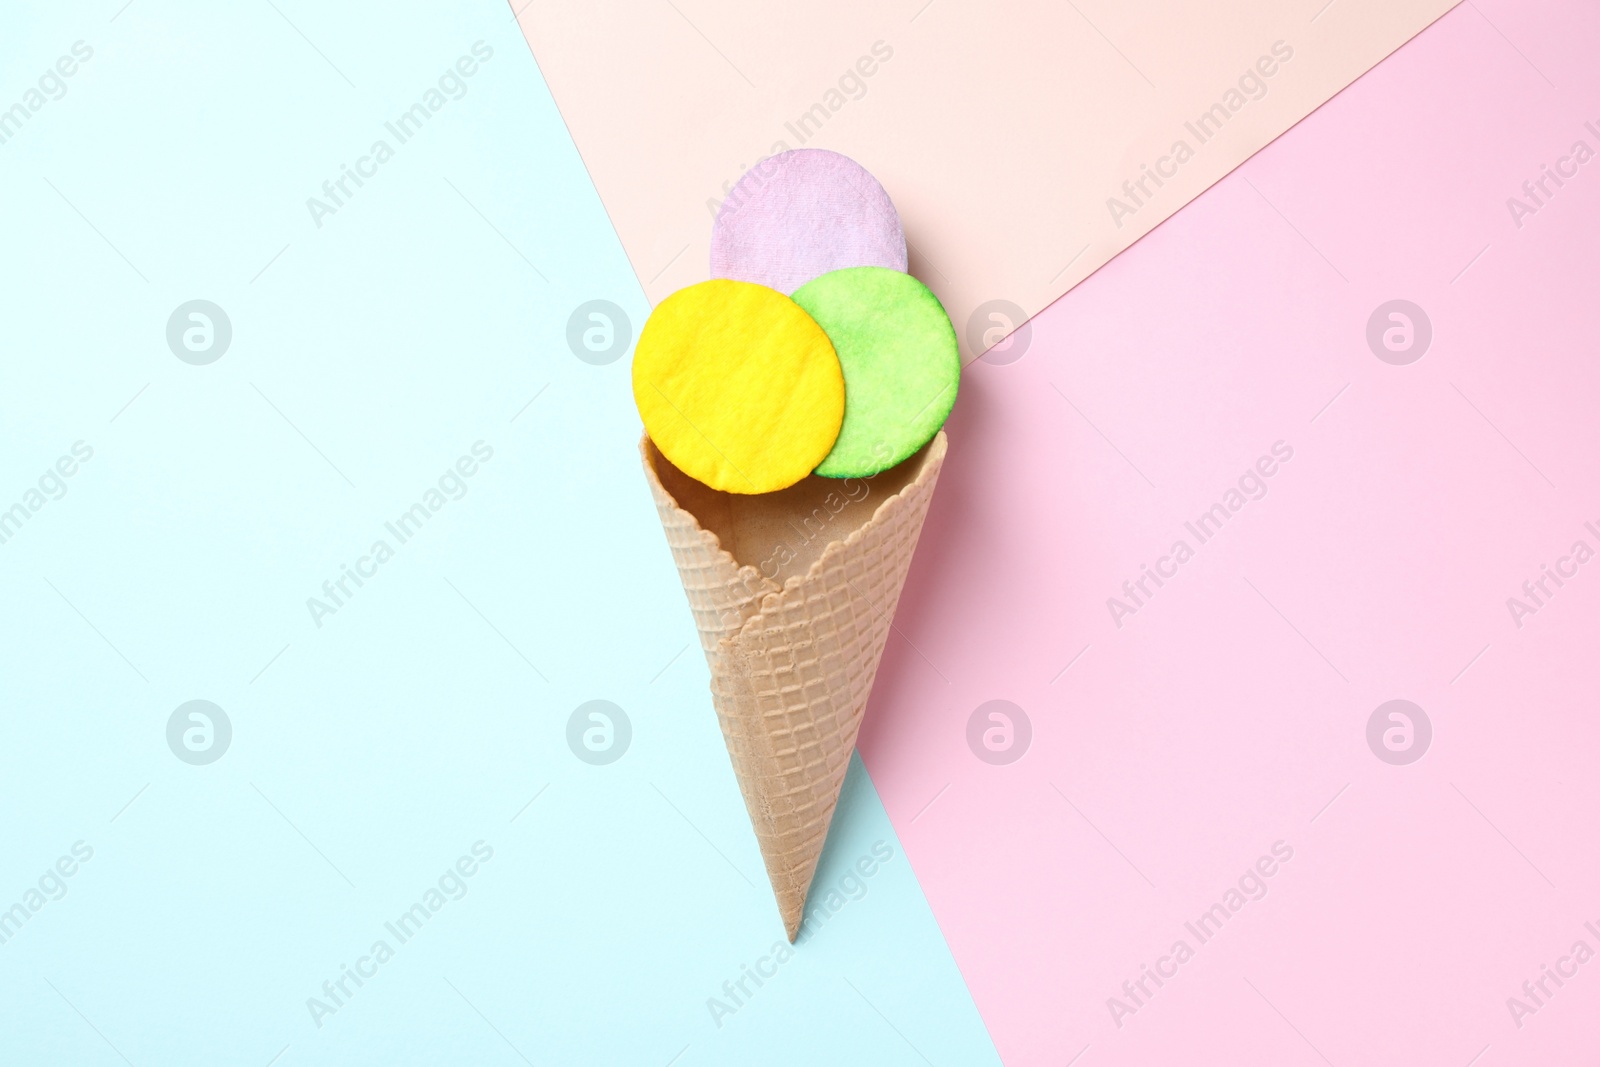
<point>217,398</point>
<point>1249,612</point>
<point>1024,143</point>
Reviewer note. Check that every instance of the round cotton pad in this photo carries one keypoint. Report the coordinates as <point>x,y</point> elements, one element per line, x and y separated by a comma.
<point>901,366</point>
<point>737,386</point>
<point>803,213</point>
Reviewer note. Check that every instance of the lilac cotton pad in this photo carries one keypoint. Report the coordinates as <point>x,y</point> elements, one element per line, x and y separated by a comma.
<point>801,214</point>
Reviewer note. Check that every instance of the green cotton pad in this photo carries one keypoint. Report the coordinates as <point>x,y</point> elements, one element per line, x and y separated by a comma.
<point>901,367</point>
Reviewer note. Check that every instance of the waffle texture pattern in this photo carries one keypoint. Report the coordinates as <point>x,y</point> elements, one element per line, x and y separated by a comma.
<point>792,665</point>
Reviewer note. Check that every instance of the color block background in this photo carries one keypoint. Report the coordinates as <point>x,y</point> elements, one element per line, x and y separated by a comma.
<point>1000,129</point>
<point>430,711</point>
<point>1231,711</point>
<point>1167,755</point>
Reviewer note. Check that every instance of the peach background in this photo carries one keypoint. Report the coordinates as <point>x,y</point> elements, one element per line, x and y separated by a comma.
<point>999,128</point>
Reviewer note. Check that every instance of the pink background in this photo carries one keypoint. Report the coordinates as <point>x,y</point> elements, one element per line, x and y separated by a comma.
<point>1230,711</point>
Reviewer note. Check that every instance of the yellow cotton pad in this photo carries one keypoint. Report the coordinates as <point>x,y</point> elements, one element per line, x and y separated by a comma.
<point>737,386</point>
<point>901,366</point>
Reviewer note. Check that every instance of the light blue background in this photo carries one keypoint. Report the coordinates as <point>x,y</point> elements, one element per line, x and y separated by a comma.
<point>368,755</point>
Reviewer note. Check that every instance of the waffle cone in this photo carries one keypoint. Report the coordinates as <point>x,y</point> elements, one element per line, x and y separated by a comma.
<point>793,594</point>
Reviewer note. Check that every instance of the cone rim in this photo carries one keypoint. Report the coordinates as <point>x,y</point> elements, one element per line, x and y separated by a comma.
<point>931,456</point>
